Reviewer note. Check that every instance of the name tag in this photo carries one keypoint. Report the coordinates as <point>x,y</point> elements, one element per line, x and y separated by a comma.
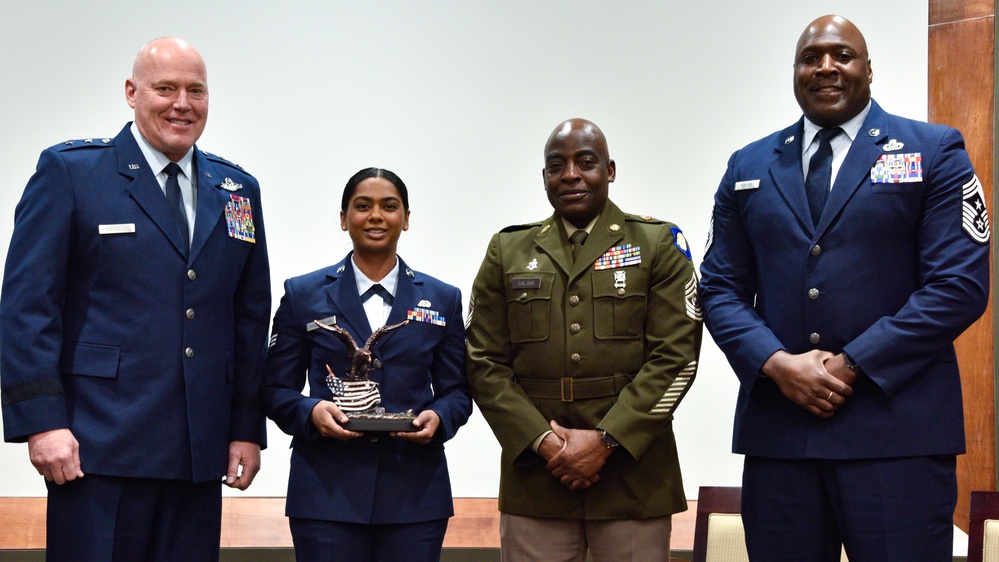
<point>748,184</point>
<point>127,228</point>
<point>526,283</point>
<point>329,320</point>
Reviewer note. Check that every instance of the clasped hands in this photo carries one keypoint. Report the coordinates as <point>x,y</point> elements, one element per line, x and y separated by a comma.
<point>818,381</point>
<point>575,456</point>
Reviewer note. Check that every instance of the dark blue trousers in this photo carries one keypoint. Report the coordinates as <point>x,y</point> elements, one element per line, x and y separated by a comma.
<point>881,510</point>
<point>110,519</point>
<point>331,541</point>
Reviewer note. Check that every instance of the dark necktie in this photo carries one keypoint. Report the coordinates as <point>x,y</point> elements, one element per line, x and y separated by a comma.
<point>820,172</point>
<point>377,289</point>
<point>176,201</point>
<point>577,239</point>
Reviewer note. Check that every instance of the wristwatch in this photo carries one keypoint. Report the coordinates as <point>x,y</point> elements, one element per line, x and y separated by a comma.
<point>608,441</point>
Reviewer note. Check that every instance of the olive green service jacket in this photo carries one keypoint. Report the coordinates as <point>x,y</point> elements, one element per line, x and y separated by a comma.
<point>610,342</point>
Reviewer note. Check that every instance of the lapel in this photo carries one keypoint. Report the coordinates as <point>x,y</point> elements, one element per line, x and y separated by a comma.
<point>212,200</point>
<point>787,175</point>
<point>553,241</point>
<point>342,292</point>
<point>407,294</point>
<point>145,190</point>
<point>607,231</point>
<point>856,169</point>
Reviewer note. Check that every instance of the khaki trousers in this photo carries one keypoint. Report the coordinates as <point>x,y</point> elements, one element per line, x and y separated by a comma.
<point>533,539</point>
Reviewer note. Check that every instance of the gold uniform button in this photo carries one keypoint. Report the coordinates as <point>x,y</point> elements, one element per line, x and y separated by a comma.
<point>191,274</point>
<point>574,300</point>
<point>620,290</point>
<point>815,337</point>
<point>522,296</point>
<point>190,314</point>
<point>813,293</point>
<point>575,358</point>
<point>816,250</point>
<point>189,352</point>
<point>574,328</point>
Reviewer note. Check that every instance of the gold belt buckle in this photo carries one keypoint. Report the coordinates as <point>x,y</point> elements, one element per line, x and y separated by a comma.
<point>567,383</point>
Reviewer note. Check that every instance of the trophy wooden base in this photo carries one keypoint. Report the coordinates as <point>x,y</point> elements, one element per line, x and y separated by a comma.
<point>383,422</point>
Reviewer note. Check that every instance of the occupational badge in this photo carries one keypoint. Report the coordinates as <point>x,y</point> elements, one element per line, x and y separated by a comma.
<point>230,185</point>
<point>620,279</point>
<point>893,144</point>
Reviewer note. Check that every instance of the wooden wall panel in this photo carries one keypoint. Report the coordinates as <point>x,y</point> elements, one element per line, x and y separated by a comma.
<point>249,522</point>
<point>950,11</point>
<point>961,89</point>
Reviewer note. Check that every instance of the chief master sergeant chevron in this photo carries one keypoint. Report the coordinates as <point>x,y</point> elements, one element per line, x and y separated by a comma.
<point>849,250</point>
<point>133,317</point>
<point>580,346</point>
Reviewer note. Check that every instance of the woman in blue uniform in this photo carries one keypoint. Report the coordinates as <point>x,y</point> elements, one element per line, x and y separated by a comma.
<point>356,496</point>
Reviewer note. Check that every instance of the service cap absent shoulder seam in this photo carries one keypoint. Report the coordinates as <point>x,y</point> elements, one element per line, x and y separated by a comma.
<point>89,142</point>
<point>219,159</point>
<point>519,227</point>
<point>648,219</point>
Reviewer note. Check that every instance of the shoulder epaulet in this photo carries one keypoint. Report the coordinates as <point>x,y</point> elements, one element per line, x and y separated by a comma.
<point>88,142</point>
<point>220,160</point>
<point>646,219</point>
<point>519,227</point>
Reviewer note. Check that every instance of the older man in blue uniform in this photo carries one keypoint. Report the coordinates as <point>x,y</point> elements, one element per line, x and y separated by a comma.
<point>847,253</point>
<point>133,318</point>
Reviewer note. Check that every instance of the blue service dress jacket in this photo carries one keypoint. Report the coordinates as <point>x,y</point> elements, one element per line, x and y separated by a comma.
<point>371,479</point>
<point>110,326</point>
<point>895,270</point>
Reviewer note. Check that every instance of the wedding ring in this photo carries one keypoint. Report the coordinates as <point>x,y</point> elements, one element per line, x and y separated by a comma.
<point>830,396</point>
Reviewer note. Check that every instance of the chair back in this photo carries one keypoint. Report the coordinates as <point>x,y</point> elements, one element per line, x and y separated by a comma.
<point>717,500</point>
<point>983,530</point>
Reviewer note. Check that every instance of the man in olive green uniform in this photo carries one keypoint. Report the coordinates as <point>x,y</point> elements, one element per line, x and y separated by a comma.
<point>583,336</point>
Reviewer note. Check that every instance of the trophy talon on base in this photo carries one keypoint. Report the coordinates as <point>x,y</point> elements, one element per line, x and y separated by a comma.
<point>357,395</point>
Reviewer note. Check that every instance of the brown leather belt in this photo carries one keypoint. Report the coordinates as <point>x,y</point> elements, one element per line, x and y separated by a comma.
<point>568,389</point>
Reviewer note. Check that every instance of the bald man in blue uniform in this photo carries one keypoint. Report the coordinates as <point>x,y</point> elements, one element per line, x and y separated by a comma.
<point>133,319</point>
<point>847,253</point>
